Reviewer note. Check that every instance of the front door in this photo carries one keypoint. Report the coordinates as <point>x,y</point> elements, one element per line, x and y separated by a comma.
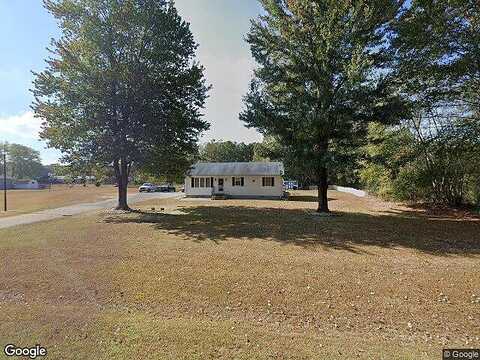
<point>220,185</point>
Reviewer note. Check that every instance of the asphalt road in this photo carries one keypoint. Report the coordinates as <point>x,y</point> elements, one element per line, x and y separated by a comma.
<point>71,210</point>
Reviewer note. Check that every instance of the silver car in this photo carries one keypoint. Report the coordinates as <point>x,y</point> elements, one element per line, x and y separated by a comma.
<point>147,187</point>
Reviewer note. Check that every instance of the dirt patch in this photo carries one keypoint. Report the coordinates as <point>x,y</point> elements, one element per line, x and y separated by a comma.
<point>29,201</point>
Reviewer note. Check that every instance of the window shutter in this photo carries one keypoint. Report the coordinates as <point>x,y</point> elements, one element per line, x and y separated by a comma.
<point>263,181</point>
<point>243,181</point>
<point>273,181</point>
<point>233,181</point>
<point>211,182</point>
<point>193,183</point>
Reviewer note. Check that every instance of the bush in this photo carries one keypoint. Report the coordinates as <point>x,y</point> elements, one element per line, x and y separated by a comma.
<point>410,185</point>
<point>473,194</point>
<point>376,179</point>
<point>443,169</point>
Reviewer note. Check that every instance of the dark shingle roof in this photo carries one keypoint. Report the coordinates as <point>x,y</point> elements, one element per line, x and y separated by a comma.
<point>237,169</point>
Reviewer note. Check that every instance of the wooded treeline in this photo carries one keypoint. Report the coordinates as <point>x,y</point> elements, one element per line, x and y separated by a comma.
<point>434,154</point>
<point>383,95</point>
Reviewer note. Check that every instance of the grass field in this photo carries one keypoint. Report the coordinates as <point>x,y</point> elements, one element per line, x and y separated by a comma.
<point>244,279</point>
<point>28,201</point>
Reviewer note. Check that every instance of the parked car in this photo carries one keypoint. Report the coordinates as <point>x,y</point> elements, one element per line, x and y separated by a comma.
<point>147,187</point>
<point>166,188</point>
<point>290,185</point>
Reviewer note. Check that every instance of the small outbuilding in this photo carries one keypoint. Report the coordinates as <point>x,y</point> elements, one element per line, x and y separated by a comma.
<point>236,180</point>
<point>27,185</point>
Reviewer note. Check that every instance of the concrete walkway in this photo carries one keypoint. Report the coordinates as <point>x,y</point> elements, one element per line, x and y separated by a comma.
<point>71,210</point>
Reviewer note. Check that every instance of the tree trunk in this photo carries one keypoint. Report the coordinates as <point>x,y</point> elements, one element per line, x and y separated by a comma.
<point>322,184</point>
<point>121,172</point>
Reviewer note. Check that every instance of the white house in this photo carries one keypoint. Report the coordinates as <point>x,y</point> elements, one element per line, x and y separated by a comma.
<point>236,180</point>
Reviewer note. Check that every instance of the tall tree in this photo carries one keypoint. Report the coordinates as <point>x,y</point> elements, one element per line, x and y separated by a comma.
<point>23,162</point>
<point>322,76</point>
<point>121,86</point>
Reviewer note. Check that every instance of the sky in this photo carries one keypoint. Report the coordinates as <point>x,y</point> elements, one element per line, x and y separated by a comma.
<point>219,26</point>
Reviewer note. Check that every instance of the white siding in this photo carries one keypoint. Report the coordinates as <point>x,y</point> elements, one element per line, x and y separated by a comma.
<point>252,187</point>
<point>31,185</point>
<point>189,191</point>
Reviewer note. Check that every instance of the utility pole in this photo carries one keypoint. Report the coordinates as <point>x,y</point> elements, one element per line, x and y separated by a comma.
<point>4,178</point>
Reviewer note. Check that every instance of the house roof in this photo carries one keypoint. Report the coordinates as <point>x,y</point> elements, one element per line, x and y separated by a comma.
<point>237,169</point>
<point>24,181</point>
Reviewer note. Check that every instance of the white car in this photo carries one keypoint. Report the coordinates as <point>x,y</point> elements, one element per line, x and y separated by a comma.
<point>147,187</point>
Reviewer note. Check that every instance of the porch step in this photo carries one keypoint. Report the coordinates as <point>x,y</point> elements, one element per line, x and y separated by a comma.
<point>219,197</point>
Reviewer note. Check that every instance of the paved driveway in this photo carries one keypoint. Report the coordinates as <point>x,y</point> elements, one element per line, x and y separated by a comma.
<point>79,209</point>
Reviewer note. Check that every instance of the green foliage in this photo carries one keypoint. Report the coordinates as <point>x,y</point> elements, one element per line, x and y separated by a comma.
<point>141,177</point>
<point>375,178</point>
<point>60,170</point>
<point>321,78</point>
<point>436,72</point>
<point>122,87</point>
<point>226,151</point>
<point>437,53</point>
<point>474,190</point>
<point>23,162</point>
<point>403,166</point>
<point>269,149</point>
<point>410,184</point>
<point>81,169</point>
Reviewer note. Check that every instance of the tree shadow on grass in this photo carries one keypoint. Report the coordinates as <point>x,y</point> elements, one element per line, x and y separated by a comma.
<point>306,198</point>
<point>353,232</point>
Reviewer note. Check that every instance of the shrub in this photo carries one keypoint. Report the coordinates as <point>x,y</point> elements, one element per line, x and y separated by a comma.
<point>376,179</point>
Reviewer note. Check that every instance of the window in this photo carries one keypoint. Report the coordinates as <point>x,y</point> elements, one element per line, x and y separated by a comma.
<point>238,181</point>
<point>268,181</point>
<point>202,182</point>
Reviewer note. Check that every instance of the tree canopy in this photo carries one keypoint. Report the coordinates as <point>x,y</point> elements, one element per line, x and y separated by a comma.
<point>122,87</point>
<point>23,162</point>
<point>436,71</point>
<point>322,76</point>
<point>226,151</point>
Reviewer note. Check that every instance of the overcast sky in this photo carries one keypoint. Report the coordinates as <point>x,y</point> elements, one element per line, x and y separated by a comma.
<point>219,26</point>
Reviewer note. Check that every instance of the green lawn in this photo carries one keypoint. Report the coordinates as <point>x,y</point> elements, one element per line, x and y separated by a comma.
<point>244,279</point>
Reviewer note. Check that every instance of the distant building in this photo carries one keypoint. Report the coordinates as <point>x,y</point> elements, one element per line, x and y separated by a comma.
<point>10,183</point>
<point>26,185</point>
<point>236,180</point>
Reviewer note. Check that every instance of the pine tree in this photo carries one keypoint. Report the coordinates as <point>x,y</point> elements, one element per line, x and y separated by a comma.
<point>322,76</point>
